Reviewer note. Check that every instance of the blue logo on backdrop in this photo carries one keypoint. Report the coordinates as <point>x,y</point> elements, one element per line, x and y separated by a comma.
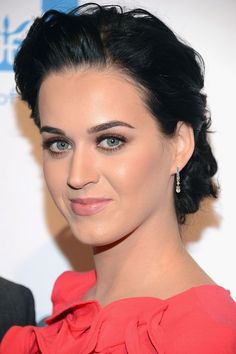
<point>10,38</point>
<point>61,5</point>
<point>9,42</point>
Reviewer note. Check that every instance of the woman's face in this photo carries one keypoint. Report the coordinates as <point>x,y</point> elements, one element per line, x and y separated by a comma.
<point>107,165</point>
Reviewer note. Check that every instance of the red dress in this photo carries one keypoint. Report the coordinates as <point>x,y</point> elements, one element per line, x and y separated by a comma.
<point>201,320</point>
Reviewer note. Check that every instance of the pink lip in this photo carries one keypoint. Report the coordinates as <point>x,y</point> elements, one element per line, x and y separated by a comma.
<point>88,206</point>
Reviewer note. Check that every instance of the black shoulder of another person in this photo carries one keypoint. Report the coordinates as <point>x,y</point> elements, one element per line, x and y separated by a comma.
<point>16,305</point>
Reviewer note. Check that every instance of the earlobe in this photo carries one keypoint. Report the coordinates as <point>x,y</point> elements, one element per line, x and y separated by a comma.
<point>184,145</point>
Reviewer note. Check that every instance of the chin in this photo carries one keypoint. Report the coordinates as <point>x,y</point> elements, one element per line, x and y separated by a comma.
<point>98,236</point>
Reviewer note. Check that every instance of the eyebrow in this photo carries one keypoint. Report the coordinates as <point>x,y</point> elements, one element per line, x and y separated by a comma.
<point>52,130</point>
<point>95,129</point>
<point>108,125</point>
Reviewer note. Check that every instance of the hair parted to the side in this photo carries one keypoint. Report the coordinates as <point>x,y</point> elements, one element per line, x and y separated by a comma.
<point>170,72</point>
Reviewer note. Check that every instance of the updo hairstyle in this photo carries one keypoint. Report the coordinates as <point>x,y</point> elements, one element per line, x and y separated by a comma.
<point>169,72</point>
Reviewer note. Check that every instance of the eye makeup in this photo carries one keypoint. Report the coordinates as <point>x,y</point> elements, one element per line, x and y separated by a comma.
<point>59,145</point>
<point>110,142</point>
<point>52,145</point>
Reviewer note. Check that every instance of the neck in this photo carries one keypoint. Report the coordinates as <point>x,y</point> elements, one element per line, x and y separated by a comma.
<point>139,264</point>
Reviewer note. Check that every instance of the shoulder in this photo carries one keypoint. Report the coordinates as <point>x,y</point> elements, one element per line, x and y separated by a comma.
<point>9,289</point>
<point>70,283</point>
<point>19,340</point>
<point>69,288</point>
<point>202,319</point>
<point>16,306</point>
<point>14,335</point>
<point>7,285</point>
<point>217,304</point>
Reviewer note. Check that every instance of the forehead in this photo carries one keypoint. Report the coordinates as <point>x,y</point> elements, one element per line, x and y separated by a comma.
<point>91,96</point>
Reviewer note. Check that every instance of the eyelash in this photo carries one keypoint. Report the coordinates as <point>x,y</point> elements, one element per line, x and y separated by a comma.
<point>103,137</point>
<point>47,144</point>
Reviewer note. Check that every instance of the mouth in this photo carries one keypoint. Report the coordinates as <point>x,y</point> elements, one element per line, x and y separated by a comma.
<point>88,206</point>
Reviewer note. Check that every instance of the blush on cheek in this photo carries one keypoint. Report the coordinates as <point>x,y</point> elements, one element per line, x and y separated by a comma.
<point>133,174</point>
<point>147,177</point>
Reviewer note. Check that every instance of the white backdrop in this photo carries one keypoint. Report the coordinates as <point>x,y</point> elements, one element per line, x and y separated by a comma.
<point>36,245</point>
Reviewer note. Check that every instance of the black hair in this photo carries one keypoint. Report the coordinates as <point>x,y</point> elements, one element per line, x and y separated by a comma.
<point>170,72</point>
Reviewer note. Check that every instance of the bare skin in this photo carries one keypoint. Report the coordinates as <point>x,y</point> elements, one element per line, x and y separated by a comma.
<point>136,238</point>
<point>148,266</point>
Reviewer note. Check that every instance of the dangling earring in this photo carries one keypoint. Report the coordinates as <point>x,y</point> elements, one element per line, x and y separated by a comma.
<point>177,187</point>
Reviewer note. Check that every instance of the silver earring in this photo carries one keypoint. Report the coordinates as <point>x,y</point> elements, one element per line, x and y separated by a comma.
<point>177,187</point>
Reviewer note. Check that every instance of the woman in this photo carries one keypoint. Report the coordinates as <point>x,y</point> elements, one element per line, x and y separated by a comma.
<point>118,100</point>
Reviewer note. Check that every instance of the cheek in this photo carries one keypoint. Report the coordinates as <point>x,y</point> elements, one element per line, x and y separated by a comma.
<point>140,173</point>
<point>55,177</point>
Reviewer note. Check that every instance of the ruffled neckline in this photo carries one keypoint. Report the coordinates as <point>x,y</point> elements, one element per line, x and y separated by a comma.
<point>77,301</point>
<point>133,325</point>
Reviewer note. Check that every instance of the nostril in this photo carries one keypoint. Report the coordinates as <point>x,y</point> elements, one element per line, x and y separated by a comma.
<point>77,181</point>
<point>73,186</point>
<point>82,169</point>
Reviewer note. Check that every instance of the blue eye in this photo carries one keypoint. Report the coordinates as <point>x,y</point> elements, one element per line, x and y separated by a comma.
<point>59,146</point>
<point>56,146</point>
<point>111,142</point>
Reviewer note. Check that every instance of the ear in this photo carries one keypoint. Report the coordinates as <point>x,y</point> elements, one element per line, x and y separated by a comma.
<point>183,145</point>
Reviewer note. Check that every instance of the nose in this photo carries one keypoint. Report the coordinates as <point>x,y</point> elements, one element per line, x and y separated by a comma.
<point>82,170</point>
